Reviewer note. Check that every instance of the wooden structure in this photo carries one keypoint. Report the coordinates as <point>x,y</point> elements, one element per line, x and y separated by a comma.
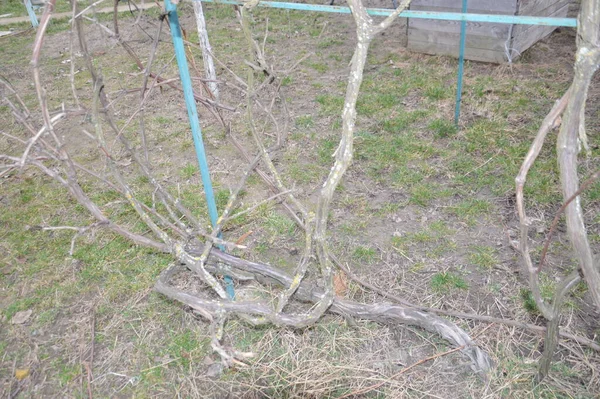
<point>488,42</point>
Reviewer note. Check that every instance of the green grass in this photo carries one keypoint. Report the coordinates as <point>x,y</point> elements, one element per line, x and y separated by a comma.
<point>372,104</point>
<point>472,210</point>
<point>483,256</point>
<point>429,187</point>
<point>318,66</point>
<point>279,225</point>
<point>329,42</point>
<point>528,302</point>
<point>17,8</point>
<point>330,104</point>
<point>437,92</point>
<point>187,348</point>
<point>442,128</point>
<point>433,241</point>
<point>102,263</point>
<point>304,122</point>
<point>422,194</point>
<point>188,171</point>
<point>364,254</point>
<point>326,149</point>
<point>305,173</point>
<point>395,158</point>
<point>444,282</point>
<point>354,228</point>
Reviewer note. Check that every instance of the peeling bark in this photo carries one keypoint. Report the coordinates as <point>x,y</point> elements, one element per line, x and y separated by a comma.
<point>571,134</point>
<point>209,66</point>
<point>385,313</point>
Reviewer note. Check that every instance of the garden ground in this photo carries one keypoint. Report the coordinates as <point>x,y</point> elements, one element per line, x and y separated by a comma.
<point>426,212</point>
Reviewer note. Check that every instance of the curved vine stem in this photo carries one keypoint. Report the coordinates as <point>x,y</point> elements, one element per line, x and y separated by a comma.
<point>366,30</point>
<point>571,134</point>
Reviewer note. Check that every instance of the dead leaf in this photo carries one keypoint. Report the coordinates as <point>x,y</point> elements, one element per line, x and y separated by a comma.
<point>21,317</point>
<point>243,237</point>
<point>340,284</point>
<point>21,374</point>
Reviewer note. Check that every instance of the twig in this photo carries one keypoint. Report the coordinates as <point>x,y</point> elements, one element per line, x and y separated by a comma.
<point>85,10</point>
<point>271,198</point>
<point>10,88</point>
<point>257,139</point>
<point>198,264</point>
<point>549,122</point>
<point>581,189</point>
<point>72,54</point>
<point>143,90</point>
<point>157,366</point>
<point>79,231</point>
<point>34,139</point>
<point>468,316</point>
<point>482,165</point>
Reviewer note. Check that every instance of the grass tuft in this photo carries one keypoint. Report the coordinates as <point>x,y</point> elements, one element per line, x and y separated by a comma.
<point>444,282</point>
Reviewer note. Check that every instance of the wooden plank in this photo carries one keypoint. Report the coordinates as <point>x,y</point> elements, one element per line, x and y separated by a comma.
<point>550,11</point>
<point>536,7</point>
<point>459,10</point>
<point>559,9</point>
<point>444,49</point>
<point>473,28</point>
<point>453,39</point>
<point>505,6</point>
<point>528,38</point>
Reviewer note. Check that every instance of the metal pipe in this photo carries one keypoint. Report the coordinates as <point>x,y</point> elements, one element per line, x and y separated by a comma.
<point>461,62</point>
<point>448,16</point>
<point>190,102</point>
<point>32,16</point>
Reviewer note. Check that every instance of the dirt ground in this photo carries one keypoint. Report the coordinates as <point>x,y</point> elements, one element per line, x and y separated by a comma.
<point>426,212</point>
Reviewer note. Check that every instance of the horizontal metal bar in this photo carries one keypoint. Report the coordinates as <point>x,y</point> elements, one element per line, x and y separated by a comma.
<point>499,19</point>
<point>448,16</point>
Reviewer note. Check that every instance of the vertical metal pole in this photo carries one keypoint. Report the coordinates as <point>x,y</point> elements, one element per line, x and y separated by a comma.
<point>32,16</point>
<point>461,62</point>
<point>188,94</point>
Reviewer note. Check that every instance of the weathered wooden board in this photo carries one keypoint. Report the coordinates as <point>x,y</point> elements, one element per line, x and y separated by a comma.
<point>491,6</point>
<point>473,28</point>
<point>474,54</point>
<point>484,42</point>
<point>457,10</point>
<point>536,7</point>
<point>534,34</point>
<point>453,39</point>
<point>553,10</point>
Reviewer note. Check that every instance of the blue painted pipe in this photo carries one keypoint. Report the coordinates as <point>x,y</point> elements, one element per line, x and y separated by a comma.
<point>190,102</point>
<point>448,16</point>
<point>461,63</point>
<point>32,16</point>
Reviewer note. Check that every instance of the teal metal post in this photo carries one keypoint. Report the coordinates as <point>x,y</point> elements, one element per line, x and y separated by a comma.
<point>461,62</point>
<point>32,16</point>
<point>188,94</point>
